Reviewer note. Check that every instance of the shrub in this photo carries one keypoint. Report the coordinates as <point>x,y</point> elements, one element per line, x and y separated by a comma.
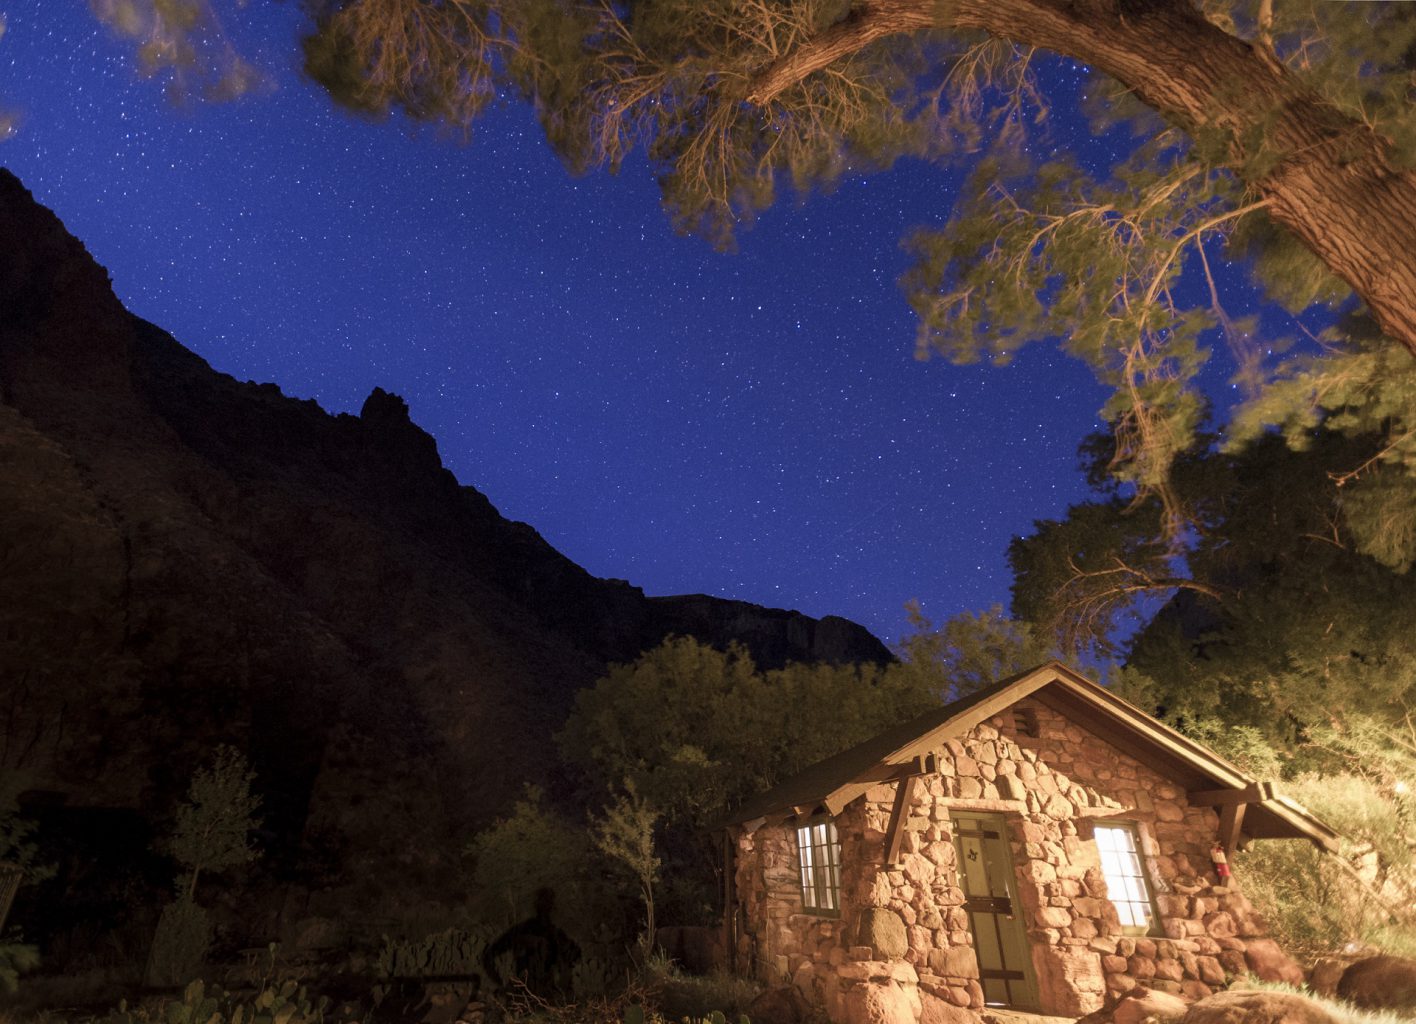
<point>444,954</point>
<point>285,1003</point>
<point>15,958</point>
<point>1314,902</point>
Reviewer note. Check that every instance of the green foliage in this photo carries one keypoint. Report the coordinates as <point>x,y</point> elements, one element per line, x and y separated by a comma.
<point>212,828</point>
<point>442,954</point>
<point>714,998</point>
<point>1269,617</point>
<point>15,959</point>
<point>1314,903</point>
<point>284,1002</point>
<point>1244,745</point>
<point>972,650</point>
<point>17,844</point>
<point>1357,780</point>
<point>531,849</point>
<point>698,730</point>
<point>1093,264</point>
<point>182,41</point>
<point>179,945</point>
<point>1362,389</point>
<point>534,849</point>
<point>624,833</point>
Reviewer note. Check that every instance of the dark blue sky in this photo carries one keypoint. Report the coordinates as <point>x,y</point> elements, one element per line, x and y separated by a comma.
<point>751,425</point>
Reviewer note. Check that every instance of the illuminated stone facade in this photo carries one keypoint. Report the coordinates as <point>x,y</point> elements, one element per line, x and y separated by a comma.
<point>902,948</point>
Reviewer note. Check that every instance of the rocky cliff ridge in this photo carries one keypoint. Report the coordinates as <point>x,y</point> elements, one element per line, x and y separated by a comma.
<point>186,559</point>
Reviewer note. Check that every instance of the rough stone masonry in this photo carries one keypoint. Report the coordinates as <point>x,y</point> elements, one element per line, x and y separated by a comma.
<point>901,949</point>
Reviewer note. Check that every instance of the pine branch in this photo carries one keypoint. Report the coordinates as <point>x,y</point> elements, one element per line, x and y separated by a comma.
<point>864,25</point>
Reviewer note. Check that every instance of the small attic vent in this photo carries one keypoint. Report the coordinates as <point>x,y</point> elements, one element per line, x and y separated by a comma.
<point>1025,722</point>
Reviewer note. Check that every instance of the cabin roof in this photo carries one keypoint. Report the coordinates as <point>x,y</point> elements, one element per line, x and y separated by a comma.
<point>831,784</point>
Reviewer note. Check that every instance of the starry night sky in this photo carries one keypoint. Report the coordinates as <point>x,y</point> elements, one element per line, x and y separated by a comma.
<point>752,425</point>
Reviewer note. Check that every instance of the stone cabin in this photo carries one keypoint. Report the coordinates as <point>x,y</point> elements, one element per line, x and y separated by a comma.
<point>1039,845</point>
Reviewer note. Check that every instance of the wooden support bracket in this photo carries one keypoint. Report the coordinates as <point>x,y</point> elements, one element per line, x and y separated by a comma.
<point>896,834</point>
<point>1231,825</point>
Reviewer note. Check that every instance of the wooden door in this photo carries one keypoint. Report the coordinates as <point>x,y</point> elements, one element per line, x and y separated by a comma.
<point>990,898</point>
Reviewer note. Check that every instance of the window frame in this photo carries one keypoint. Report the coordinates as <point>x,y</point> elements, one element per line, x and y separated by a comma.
<point>1132,830</point>
<point>822,896</point>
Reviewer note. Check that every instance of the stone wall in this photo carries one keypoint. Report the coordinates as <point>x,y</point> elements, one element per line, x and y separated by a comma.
<point>901,950</point>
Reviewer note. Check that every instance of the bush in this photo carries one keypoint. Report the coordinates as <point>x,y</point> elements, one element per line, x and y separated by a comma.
<point>285,1003</point>
<point>1314,902</point>
<point>15,958</point>
<point>535,849</point>
<point>441,955</point>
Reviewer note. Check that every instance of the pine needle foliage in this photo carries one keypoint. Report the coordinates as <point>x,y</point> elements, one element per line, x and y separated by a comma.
<point>735,102</point>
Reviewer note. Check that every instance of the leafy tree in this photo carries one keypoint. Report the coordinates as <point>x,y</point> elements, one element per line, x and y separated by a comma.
<point>972,650</point>
<point>625,834</point>
<point>1279,133</point>
<point>695,731</point>
<point>213,827</point>
<point>1270,616</point>
<point>531,849</point>
<point>211,832</point>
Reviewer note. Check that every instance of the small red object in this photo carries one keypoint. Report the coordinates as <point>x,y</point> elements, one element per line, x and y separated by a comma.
<point>1221,862</point>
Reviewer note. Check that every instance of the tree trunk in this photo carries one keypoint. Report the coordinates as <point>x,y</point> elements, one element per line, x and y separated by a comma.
<point>1333,185</point>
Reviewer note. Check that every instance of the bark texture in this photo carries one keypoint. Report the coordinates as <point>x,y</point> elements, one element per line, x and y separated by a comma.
<point>1334,184</point>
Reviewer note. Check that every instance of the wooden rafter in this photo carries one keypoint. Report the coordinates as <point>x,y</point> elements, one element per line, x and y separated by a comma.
<point>1253,793</point>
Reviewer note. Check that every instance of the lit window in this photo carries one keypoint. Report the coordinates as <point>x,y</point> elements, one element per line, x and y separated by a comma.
<point>820,854</point>
<point>1125,878</point>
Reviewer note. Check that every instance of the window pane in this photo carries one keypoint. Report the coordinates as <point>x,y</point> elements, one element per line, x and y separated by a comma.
<point>1125,876</point>
<point>819,857</point>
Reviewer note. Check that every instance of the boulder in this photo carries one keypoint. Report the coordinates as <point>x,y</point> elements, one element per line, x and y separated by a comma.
<point>699,950</point>
<point>1269,963</point>
<point>954,962</point>
<point>884,931</point>
<point>942,1011</point>
<point>1380,983</point>
<point>1146,1004</point>
<point>317,933</point>
<point>1326,973</point>
<point>876,1003</point>
<point>782,1005</point>
<point>1254,1006</point>
<point>1069,979</point>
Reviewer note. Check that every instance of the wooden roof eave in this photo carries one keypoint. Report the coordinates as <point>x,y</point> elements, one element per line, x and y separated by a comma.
<point>1119,723</point>
<point>1114,720</point>
<point>1268,814</point>
<point>955,726</point>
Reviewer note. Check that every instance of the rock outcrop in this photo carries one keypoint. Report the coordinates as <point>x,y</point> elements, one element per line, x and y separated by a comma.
<point>1381,983</point>
<point>187,560</point>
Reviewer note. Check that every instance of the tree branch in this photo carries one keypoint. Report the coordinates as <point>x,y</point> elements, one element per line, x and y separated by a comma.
<point>866,23</point>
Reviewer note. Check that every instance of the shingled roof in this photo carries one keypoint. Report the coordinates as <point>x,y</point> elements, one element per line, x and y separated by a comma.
<point>831,784</point>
